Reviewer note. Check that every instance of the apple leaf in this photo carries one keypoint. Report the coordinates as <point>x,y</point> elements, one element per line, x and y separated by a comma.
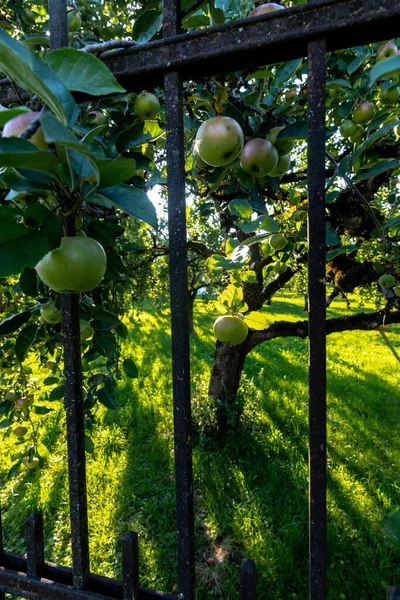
<point>28,282</point>
<point>373,138</point>
<point>256,320</point>
<point>380,167</point>
<point>388,66</point>
<point>104,320</point>
<point>107,398</point>
<point>130,368</point>
<point>82,72</point>
<point>147,25</point>
<point>24,251</point>
<point>232,299</point>
<point>116,170</point>
<point>56,133</point>
<point>25,68</point>
<point>16,152</point>
<point>13,323</point>
<point>24,341</point>
<point>241,208</point>
<point>133,201</point>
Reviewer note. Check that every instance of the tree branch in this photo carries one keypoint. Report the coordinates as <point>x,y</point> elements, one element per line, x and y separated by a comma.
<point>361,321</point>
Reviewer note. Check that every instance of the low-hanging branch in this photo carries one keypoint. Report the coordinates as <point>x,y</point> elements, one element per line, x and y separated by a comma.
<point>360,321</point>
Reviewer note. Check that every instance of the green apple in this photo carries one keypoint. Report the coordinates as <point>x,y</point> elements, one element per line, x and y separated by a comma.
<point>147,105</point>
<point>259,157</point>
<point>277,241</point>
<point>219,141</point>
<point>390,96</point>
<point>348,128</point>
<point>74,18</point>
<point>230,329</point>
<point>78,265</point>
<point>11,396</point>
<point>363,113</point>
<point>386,281</point>
<point>14,127</point>
<point>50,313</point>
<point>282,166</point>
<point>282,146</point>
<point>86,330</point>
<point>299,215</point>
<point>265,8</point>
<point>290,94</point>
<point>20,431</point>
<point>359,134</point>
<point>396,290</point>
<point>99,118</point>
<point>33,463</point>
<point>386,51</point>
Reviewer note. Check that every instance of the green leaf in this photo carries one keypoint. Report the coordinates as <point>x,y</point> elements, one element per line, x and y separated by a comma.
<point>256,320</point>
<point>377,169</point>
<point>147,25</point>
<point>25,68</point>
<point>298,131</point>
<point>107,398</point>
<point>133,201</point>
<point>56,133</point>
<point>342,250</point>
<point>287,70</point>
<point>116,170</point>
<point>25,251</point>
<point>332,238</point>
<point>28,282</point>
<point>371,139</point>
<point>106,342</point>
<point>231,298</point>
<point>132,137</point>
<point>16,152</point>
<point>394,222</point>
<point>13,323</point>
<point>241,208</point>
<point>130,368</point>
<point>82,72</point>
<point>43,451</point>
<point>269,224</point>
<point>50,380</point>
<point>11,113</point>
<point>355,64</point>
<point>389,66</point>
<point>40,409</point>
<point>105,320</point>
<point>57,393</point>
<point>89,445</point>
<point>24,341</point>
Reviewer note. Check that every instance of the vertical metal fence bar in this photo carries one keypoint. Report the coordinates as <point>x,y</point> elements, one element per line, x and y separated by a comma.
<point>73,375</point>
<point>179,312</point>
<point>130,566</point>
<point>34,545</point>
<point>317,315</point>
<point>248,580</point>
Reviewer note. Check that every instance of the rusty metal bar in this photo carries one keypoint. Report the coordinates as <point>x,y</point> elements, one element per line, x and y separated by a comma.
<point>34,545</point>
<point>248,580</point>
<point>248,43</point>
<point>99,585</point>
<point>73,375</point>
<point>173,90</point>
<point>130,566</point>
<point>317,319</point>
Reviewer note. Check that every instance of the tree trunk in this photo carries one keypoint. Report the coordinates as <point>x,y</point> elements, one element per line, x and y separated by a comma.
<point>224,383</point>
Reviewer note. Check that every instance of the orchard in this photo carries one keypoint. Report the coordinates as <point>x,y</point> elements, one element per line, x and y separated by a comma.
<point>83,166</point>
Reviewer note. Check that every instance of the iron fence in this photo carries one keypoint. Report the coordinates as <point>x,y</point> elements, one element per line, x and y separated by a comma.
<point>309,30</point>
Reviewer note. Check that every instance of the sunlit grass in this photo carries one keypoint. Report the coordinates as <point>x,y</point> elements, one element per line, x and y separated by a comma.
<point>250,492</point>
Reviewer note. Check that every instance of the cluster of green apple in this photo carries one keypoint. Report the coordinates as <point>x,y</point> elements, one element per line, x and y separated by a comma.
<point>51,314</point>
<point>231,329</point>
<point>353,129</point>
<point>387,281</point>
<point>220,140</point>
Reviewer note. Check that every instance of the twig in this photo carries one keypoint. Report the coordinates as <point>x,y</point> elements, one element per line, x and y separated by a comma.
<point>111,44</point>
<point>33,127</point>
<point>390,345</point>
<point>196,4</point>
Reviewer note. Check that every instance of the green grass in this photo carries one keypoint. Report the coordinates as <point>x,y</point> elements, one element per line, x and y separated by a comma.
<point>251,491</point>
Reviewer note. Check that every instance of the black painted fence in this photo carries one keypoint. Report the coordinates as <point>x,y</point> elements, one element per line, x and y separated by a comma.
<point>311,29</point>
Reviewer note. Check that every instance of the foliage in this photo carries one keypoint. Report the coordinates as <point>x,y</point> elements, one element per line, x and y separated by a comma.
<point>101,163</point>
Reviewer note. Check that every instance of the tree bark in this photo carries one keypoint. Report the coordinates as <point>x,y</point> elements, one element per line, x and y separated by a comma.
<point>192,298</point>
